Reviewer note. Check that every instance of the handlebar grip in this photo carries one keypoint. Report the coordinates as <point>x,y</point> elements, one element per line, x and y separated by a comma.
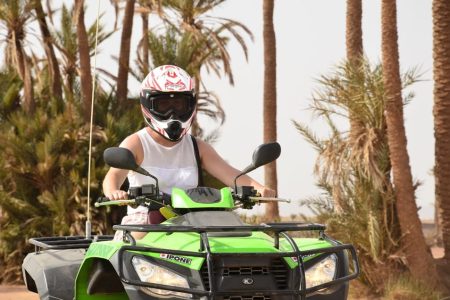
<point>103,199</point>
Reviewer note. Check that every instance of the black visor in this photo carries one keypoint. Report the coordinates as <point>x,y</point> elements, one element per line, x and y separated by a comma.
<point>165,105</point>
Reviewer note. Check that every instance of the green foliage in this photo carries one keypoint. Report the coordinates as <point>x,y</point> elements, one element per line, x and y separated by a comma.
<point>43,172</point>
<point>65,40</point>
<point>10,86</point>
<point>354,171</point>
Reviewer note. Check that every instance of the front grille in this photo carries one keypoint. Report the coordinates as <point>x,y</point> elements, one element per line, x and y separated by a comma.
<point>280,272</point>
<point>276,268</point>
<point>204,275</point>
<point>247,271</point>
<point>247,298</point>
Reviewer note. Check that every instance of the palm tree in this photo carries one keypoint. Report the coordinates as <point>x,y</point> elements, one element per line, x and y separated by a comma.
<point>55,75</point>
<point>441,55</point>
<point>357,176</point>
<point>85,59</point>
<point>65,40</point>
<point>15,14</point>
<point>146,7</point>
<point>418,256</point>
<point>270,100</point>
<point>209,30</point>
<point>354,46</point>
<point>124,56</point>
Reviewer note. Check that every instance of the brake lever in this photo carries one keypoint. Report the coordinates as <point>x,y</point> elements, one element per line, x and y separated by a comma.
<point>114,202</point>
<point>268,199</point>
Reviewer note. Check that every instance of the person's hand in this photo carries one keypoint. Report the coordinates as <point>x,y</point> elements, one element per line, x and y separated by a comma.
<point>117,195</point>
<point>267,192</point>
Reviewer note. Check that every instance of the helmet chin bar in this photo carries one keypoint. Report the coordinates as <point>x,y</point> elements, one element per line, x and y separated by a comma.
<point>171,129</point>
<point>174,130</point>
<point>173,133</point>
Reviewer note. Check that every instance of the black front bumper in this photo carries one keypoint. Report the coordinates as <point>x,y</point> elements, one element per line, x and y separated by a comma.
<point>264,277</point>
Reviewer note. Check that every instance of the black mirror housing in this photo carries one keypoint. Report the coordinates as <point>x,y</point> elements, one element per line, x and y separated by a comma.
<point>262,155</point>
<point>122,158</point>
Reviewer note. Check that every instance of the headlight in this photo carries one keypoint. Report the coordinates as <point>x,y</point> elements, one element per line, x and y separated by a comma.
<point>322,272</point>
<point>151,273</point>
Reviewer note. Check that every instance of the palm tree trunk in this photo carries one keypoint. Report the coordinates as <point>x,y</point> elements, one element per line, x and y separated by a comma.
<point>85,59</point>
<point>55,76</point>
<point>270,100</point>
<point>354,46</point>
<point>441,56</point>
<point>353,34</point>
<point>145,41</point>
<point>124,56</point>
<point>418,256</point>
<point>24,71</point>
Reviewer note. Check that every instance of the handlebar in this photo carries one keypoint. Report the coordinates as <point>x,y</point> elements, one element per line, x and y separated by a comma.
<point>153,202</point>
<point>246,195</point>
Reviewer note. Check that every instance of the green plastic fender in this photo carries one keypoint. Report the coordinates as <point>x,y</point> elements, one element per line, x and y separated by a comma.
<point>98,250</point>
<point>181,200</point>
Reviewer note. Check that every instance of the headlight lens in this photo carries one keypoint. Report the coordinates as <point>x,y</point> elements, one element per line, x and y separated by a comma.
<point>322,272</point>
<point>151,273</point>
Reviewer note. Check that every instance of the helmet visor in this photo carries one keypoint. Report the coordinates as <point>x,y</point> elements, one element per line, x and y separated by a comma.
<point>164,105</point>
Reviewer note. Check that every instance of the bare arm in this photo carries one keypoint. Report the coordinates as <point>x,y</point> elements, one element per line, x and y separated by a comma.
<point>115,177</point>
<point>215,165</point>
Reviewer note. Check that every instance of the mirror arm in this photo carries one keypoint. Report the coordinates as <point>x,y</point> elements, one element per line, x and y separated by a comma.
<point>245,171</point>
<point>235,184</point>
<point>145,172</point>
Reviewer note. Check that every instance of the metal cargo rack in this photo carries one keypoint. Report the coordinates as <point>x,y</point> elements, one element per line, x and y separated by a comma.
<point>279,229</point>
<point>66,242</point>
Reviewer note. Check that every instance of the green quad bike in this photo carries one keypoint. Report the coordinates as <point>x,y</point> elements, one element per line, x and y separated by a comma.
<point>204,251</point>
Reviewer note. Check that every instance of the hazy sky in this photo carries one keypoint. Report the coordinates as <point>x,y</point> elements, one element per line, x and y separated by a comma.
<point>310,41</point>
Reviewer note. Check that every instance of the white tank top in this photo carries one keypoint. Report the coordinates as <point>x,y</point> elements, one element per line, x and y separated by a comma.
<point>174,166</point>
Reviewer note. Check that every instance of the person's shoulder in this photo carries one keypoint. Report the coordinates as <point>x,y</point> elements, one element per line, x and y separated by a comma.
<point>200,142</point>
<point>131,140</point>
<point>204,147</point>
<point>133,143</point>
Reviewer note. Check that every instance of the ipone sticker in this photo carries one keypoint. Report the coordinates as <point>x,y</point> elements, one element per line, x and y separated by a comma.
<point>176,258</point>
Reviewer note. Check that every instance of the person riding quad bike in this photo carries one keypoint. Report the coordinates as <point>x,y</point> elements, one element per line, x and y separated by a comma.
<point>169,105</point>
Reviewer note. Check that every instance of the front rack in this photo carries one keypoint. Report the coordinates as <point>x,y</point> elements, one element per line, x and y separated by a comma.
<point>279,229</point>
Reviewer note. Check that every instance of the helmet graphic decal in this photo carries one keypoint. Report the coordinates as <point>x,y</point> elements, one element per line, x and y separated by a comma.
<point>174,86</point>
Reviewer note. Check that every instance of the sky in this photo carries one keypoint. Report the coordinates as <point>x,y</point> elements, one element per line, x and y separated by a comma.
<point>310,42</point>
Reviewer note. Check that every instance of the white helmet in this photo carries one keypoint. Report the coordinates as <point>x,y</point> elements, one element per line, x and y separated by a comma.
<point>168,101</point>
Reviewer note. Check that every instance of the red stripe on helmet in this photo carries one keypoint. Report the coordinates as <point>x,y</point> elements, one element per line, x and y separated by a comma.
<point>155,82</point>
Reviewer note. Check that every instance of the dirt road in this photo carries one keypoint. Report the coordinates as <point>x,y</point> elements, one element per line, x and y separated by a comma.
<point>16,292</point>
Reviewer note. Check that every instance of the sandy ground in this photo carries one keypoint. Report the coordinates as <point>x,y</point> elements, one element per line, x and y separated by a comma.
<point>16,292</point>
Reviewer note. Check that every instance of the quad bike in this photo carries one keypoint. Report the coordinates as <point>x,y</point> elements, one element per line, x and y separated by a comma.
<point>202,251</point>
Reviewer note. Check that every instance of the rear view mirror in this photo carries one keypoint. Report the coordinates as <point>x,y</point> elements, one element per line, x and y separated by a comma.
<point>262,155</point>
<point>122,158</point>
